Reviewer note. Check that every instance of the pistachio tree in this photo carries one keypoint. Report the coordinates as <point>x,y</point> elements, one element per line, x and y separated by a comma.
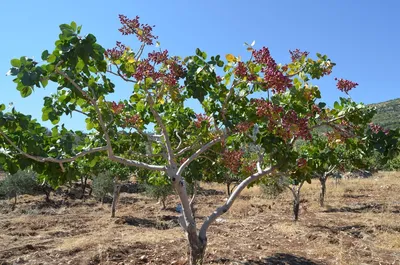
<point>163,131</point>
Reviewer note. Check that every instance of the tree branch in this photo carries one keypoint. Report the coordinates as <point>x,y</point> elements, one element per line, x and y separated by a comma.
<point>180,139</point>
<point>224,208</point>
<point>51,159</point>
<point>135,163</point>
<point>170,151</point>
<point>81,154</point>
<point>93,102</point>
<point>197,154</point>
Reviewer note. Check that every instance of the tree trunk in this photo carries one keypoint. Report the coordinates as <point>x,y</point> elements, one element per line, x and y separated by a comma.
<point>228,187</point>
<point>117,188</point>
<point>15,202</point>
<point>47,196</point>
<point>323,191</point>
<point>90,191</point>
<point>197,249</point>
<point>83,185</point>
<point>163,203</point>
<point>296,208</point>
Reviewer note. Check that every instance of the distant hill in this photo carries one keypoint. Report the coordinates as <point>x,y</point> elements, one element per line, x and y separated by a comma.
<point>388,115</point>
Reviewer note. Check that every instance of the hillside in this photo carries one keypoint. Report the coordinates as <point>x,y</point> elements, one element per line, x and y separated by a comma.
<point>388,114</point>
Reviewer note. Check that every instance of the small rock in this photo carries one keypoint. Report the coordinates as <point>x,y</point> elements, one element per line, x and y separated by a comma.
<point>258,246</point>
<point>143,258</point>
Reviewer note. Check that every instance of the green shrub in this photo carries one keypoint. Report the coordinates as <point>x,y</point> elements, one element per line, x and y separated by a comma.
<point>272,189</point>
<point>159,191</point>
<point>103,185</point>
<point>22,182</point>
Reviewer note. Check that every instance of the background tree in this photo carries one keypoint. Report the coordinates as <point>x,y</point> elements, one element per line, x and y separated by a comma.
<point>103,185</point>
<point>159,187</point>
<point>22,182</point>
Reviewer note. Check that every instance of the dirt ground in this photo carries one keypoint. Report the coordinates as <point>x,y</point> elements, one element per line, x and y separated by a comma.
<point>359,225</point>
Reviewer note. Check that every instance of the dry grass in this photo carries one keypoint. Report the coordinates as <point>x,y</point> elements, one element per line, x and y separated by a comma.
<point>359,225</point>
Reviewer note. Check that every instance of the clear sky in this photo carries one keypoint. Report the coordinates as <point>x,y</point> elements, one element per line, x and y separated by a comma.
<point>361,36</point>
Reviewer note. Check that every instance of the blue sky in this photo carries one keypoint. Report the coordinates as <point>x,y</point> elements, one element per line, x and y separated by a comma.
<point>361,36</point>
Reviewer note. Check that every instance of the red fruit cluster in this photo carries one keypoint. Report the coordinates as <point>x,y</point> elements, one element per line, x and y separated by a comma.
<point>301,162</point>
<point>315,109</point>
<point>286,124</point>
<point>241,71</point>
<point>147,68</point>
<point>345,85</point>
<point>232,160</point>
<point>200,118</point>
<point>249,167</point>
<point>132,120</point>
<point>244,126</point>
<point>297,54</point>
<point>158,57</point>
<point>117,108</point>
<point>134,27</point>
<point>266,108</point>
<point>274,78</point>
<point>295,126</point>
<point>375,128</point>
<point>117,52</point>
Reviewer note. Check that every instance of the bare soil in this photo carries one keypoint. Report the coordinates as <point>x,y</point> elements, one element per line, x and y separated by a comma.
<point>359,225</point>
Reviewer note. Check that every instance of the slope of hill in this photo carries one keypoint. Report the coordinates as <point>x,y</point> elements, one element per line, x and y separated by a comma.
<point>388,115</point>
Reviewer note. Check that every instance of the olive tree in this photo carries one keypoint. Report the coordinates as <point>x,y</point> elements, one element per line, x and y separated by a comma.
<point>163,132</point>
<point>22,182</point>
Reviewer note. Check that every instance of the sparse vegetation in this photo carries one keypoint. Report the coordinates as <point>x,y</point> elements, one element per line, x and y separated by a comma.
<point>103,185</point>
<point>358,226</point>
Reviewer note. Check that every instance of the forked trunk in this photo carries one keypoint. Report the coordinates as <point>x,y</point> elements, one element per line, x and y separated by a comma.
<point>323,191</point>
<point>116,192</point>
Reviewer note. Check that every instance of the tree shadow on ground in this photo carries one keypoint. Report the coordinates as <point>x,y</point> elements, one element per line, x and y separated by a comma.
<point>276,259</point>
<point>283,259</point>
<point>356,231</point>
<point>368,207</point>
<point>162,223</point>
<point>128,200</point>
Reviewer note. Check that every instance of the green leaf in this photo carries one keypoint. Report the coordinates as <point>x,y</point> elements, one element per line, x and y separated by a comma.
<point>45,55</point>
<point>26,91</point>
<point>2,107</point>
<point>79,66</point>
<point>73,25</point>
<point>336,105</point>
<point>16,63</point>
<point>13,71</point>
<point>52,58</point>
<point>44,82</point>
<point>89,124</point>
